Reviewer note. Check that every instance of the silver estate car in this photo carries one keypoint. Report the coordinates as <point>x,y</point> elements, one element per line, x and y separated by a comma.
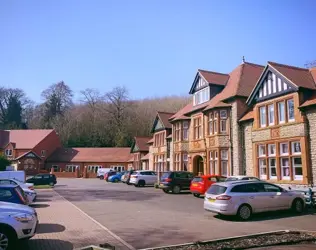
<point>243,198</point>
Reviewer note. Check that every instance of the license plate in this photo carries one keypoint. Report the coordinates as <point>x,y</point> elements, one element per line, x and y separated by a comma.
<point>211,200</point>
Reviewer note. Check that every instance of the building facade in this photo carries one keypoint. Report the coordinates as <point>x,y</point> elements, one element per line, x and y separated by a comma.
<point>139,149</point>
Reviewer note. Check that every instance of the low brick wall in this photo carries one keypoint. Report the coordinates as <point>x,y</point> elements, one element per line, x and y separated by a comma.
<point>91,175</point>
<point>65,174</point>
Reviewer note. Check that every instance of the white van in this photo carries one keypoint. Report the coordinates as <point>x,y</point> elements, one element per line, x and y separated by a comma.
<point>17,175</point>
<point>102,171</point>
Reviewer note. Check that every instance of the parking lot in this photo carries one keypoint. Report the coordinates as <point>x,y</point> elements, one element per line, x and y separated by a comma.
<point>147,217</point>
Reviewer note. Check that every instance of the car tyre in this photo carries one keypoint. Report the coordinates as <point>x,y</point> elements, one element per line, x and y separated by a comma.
<point>8,238</point>
<point>141,183</point>
<point>51,183</point>
<point>197,195</point>
<point>116,180</point>
<point>101,177</point>
<point>244,212</point>
<point>298,206</point>
<point>165,191</point>
<point>176,189</point>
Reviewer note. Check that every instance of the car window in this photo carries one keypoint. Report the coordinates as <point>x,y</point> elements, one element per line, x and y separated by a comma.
<point>245,178</point>
<point>5,182</point>
<point>190,175</point>
<point>182,175</point>
<point>165,175</point>
<point>216,189</point>
<point>271,188</point>
<point>197,179</point>
<point>5,194</point>
<point>254,179</point>
<point>38,177</point>
<point>46,176</point>
<point>213,179</point>
<point>246,188</point>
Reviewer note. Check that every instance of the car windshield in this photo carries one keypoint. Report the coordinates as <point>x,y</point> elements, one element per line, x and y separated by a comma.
<point>216,189</point>
<point>165,175</point>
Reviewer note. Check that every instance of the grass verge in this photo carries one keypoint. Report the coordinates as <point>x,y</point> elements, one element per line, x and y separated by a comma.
<point>43,187</point>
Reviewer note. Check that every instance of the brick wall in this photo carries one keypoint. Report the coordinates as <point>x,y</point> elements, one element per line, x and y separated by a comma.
<point>151,158</point>
<point>311,119</point>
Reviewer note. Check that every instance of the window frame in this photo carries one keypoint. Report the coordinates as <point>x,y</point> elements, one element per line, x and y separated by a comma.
<point>271,123</point>
<point>263,116</point>
<point>185,131</point>
<point>279,113</point>
<point>288,110</point>
<point>197,128</point>
<point>8,150</point>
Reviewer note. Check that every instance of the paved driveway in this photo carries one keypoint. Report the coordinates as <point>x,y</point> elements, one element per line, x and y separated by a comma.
<point>147,217</point>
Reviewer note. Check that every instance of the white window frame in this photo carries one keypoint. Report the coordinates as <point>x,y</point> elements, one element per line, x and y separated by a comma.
<point>293,148</point>
<point>185,128</point>
<point>263,114</point>
<point>72,167</point>
<point>279,84</point>
<point>8,152</point>
<point>223,114</point>
<point>263,176</point>
<point>279,113</point>
<point>284,177</point>
<point>265,88</point>
<point>271,122</point>
<point>210,123</point>
<point>274,83</point>
<point>275,162</point>
<point>297,177</point>
<point>269,149</point>
<point>281,149</point>
<point>201,96</point>
<point>226,168</point>
<point>288,111</point>
<point>226,152</point>
<point>270,84</point>
<point>264,152</point>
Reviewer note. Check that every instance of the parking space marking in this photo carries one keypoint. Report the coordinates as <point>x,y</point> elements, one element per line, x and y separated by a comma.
<point>98,223</point>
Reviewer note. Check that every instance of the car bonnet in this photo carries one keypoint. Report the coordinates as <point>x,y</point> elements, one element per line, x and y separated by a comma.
<point>12,207</point>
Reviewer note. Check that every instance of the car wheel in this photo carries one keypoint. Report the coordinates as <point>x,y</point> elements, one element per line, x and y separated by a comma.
<point>244,212</point>
<point>8,238</point>
<point>298,206</point>
<point>196,195</point>
<point>165,191</point>
<point>141,183</point>
<point>176,190</point>
<point>101,177</point>
<point>51,183</point>
<point>115,180</point>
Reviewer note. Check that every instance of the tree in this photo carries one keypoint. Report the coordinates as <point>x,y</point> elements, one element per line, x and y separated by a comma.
<point>4,162</point>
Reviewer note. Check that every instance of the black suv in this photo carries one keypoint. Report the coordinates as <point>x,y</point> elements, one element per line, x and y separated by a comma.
<point>176,181</point>
<point>43,179</point>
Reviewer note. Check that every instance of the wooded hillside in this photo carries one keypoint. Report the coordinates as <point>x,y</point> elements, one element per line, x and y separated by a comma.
<point>96,120</point>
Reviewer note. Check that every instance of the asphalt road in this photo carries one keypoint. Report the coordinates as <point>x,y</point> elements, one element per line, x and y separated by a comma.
<point>147,217</point>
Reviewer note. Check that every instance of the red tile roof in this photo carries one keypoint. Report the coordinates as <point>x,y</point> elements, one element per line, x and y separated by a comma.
<point>91,155</point>
<point>27,138</point>
<point>145,157</point>
<point>141,142</point>
<point>313,73</point>
<point>310,101</point>
<point>180,114</point>
<point>164,117</point>
<point>169,136</point>
<point>248,116</point>
<point>241,82</point>
<point>214,77</point>
<point>301,77</point>
<point>150,141</point>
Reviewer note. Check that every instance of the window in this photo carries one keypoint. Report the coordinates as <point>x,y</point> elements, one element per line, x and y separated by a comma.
<point>197,128</point>
<point>8,152</point>
<point>185,162</point>
<point>271,150</point>
<point>213,162</point>
<point>177,161</point>
<point>272,168</point>
<point>290,110</point>
<point>263,120</point>
<point>215,122</point>
<point>43,153</point>
<point>224,162</point>
<point>263,168</point>
<point>284,148</point>
<point>296,148</point>
<point>262,150</point>
<point>281,109</point>
<point>201,96</point>
<point>56,168</point>
<point>71,168</point>
<point>93,169</point>
<point>271,114</point>
<point>5,194</point>
<point>210,123</point>
<point>223,119</point>
<point>297,168</point>
<point>177,132</point>
<point>285,168</point>
<point>185,130</point>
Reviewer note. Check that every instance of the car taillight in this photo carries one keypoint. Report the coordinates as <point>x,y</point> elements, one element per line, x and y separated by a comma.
<point>167,180</point>
<point>223,197</point>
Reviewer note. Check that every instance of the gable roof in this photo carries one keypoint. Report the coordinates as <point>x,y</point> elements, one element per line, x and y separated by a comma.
<point>241,82</point>
<point>91,155</point>
<point>145,157</point>
<point>25,139</point>
<point>248,116</point>
<point>25,154</point>
<point>163,117</point>
<point>180,114</point>
<point>141,143</point>
<point>300,77</point>
<point>214,77</point>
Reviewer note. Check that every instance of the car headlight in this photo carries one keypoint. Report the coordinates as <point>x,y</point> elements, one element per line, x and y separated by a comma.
<point>24,218</point>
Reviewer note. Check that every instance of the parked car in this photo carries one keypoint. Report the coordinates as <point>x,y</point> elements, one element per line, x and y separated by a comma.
<point>141,178</point>
<point>242,177</point>
<point>17,175</point>
<point>127,176</point>
<point>13,193</point>
<point>108,174</point>
<point>200,184</point>
<point>116,177</point>
<point>244,198</point>
<point>102,171</point>
<point>17,222</point>
<point>43,179</point>
<point>175,181</point>
<point>30,193</point>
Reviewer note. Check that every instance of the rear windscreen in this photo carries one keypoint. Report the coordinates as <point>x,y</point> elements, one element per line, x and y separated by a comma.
<point>216,189</point>
<point>165,175</point>
<point>197,179</point>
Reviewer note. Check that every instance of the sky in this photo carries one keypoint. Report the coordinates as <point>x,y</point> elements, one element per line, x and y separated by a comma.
<point>153,48</point>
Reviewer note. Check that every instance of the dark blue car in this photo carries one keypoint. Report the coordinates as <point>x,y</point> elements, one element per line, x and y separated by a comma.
<point>13,193</point>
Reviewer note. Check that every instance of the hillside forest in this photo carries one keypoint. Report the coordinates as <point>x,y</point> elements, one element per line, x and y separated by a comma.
<point>97,119</point>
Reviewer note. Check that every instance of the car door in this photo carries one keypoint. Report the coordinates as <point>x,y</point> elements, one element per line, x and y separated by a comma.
<point>152,178</point>
<point>7,195</point>
<point>276,198</point>
<point>38,180</point>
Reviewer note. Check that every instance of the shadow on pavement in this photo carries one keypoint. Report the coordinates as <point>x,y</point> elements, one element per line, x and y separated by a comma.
<point>50,228</point>
<point>47,244</point>
<point>60,185</point>
<point>42,200</point>
<point>39,205</point>
<point>268,215</point>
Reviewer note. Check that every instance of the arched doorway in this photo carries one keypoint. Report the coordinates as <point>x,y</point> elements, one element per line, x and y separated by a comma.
<point>198,165</point>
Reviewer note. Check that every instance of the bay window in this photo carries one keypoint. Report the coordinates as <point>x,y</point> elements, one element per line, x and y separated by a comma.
<point>213,162</point>
<point>177,161</point>
<point>263,168</point>
<point>285,168</point>
<point>185,134</point>
<point>197,126</point>
<point>272,168</point>
<point>297,161</point>
<point>224,162</point>
<point>177,133</point>
<point>210,123</point>
<point>223,119</point>
<point>185,162</point>
<point>215,122</point>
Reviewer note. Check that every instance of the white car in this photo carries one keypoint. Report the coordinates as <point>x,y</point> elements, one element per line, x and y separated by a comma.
<point>243,198</point>
<point>18,222</point>
<point>241,178</point>
<point>141,178</point>
<point>27,188</point>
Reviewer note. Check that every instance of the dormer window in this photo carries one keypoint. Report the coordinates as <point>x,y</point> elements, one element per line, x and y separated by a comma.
<point>201,96</point>
<point>8,152</point>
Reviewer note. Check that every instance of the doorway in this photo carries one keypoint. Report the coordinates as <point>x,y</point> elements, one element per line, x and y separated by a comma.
<point>198,165</point>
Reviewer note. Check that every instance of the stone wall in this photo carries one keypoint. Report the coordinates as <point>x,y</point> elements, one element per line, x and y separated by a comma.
<point>171,156</point>
<point>247,148</point>
<point>311,125</point>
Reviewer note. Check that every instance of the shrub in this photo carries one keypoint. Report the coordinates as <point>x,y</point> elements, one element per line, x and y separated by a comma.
<point>4,162</point>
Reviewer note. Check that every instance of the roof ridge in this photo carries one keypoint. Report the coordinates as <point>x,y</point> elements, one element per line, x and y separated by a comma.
<point>165,112</point>
<point>213,72</point>
<point>254,64</point>
<point>288,66</point>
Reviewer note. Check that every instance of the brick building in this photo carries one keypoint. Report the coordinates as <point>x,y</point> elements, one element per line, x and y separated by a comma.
<point>28,149</point>
<point>139,149</point>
